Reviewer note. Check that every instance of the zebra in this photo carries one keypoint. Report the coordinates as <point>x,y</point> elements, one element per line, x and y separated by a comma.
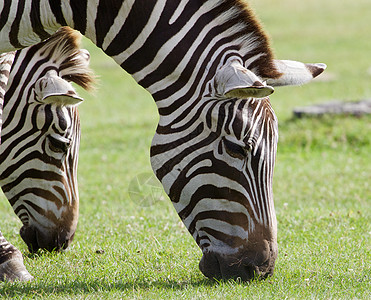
<point>210,69</point>
<point>40,143</point>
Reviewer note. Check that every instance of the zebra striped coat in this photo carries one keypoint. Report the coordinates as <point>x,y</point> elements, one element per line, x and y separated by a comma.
<point>40,140</point>
<point>209,67</point>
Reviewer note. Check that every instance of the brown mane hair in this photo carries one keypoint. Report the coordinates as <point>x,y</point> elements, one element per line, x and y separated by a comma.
<point>264,66</point>
<point>64,48</point>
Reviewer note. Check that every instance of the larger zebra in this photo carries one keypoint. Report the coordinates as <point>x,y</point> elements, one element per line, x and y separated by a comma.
<point>209,67</point>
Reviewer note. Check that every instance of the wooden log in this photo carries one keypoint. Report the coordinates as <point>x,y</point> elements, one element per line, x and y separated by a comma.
<point>354,108</point>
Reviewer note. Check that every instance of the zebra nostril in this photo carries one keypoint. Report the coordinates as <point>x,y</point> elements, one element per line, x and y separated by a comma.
<point>28,235</point>
<point>209,266</point>
<point>254,272</point>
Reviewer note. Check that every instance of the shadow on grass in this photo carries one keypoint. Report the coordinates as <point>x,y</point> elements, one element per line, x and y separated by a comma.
<point>40,253</point>
<point>86,286</point>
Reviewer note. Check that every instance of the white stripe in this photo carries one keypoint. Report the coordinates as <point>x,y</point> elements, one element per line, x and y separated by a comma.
<point>252,188</point>
<point>91,14</point>
<point>248,62</point>
<point>5,65</point>
<point>47,18</point>
<point>262,197</point>
<point>178,11</point>
<point>67,12</point>
<point>26,36</point>
<point>201,164</point>
<point>119,21</point>
<point>5,45</point>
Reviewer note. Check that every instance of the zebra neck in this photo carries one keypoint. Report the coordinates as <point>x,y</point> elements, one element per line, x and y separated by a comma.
<point>173,48</point>
<point>162,43</point>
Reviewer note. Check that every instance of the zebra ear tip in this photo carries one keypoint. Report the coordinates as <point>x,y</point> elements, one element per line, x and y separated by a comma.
<point>63,99</point>
<point>295,72</point>
<point>316,69</point>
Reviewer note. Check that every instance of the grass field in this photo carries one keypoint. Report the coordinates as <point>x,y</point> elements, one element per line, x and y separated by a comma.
<point>322,189</point>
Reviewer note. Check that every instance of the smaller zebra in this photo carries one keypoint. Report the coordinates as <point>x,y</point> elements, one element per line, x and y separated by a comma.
<point>39,144</point>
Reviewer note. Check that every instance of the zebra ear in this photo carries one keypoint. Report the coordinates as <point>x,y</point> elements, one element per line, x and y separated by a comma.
<point>52,89</point>
<point>295,73</point>
<point>235,81</point>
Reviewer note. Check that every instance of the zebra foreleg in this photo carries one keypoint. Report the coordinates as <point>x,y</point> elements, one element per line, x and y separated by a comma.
<point>11,263</point>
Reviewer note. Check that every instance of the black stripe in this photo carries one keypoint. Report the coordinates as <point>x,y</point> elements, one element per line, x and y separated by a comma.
<point>79,11</point>
<point>238,120</point>
<point>61,192</point>
<point>231,240</point>
<point>14,30</point>
<point>229,119</point>
<point>5,13</point>
<point>56,8</point>
<point>179,51</point>
<point>36,21</point>
<point>107,12</point>
<point>209,113</point>
<point>232,218</point>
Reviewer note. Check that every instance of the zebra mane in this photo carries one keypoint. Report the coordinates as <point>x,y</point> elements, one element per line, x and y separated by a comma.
<point>63,48</point>
<point>252,32</point>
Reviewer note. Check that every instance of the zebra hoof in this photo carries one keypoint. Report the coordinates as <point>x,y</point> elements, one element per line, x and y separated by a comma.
<point>14,270</point>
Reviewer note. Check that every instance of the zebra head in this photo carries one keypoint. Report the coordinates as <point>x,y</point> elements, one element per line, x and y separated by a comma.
<point>216,164</point>
<point>40,139</point>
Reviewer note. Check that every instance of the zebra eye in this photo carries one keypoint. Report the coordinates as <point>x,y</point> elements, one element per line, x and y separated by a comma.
<point>59,143</point>
<point>234,149</point>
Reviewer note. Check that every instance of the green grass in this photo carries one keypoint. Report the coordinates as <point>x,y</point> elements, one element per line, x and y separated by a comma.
<point>321,184</point>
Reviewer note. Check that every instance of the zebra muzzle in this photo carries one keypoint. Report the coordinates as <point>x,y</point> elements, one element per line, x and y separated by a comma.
<point>244,266</point>
<point>50,240</point>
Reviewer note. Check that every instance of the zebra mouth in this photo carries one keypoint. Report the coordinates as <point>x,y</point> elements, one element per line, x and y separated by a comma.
<point>218,266</point>
<point>52,240</point>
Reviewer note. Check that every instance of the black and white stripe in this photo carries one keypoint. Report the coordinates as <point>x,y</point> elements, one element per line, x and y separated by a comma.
<point>207,65</point>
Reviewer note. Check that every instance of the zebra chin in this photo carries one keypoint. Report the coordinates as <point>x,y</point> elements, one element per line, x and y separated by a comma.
<point>245,265</point>
<point>46,239</point>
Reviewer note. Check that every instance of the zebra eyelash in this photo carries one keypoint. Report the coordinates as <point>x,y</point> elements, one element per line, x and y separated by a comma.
<point>59,143</point>
<point>235,150</point>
